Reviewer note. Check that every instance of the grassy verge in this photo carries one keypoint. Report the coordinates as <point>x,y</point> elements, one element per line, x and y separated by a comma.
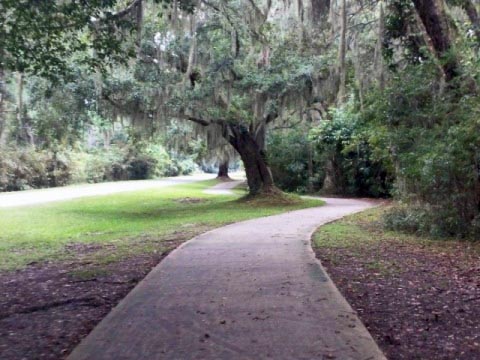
<point>365,229</point>
<point>419,297</point>
<point>106,228</point>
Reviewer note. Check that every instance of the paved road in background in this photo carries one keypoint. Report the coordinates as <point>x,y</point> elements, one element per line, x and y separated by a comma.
<point>224,188</point>
<point>33,197</point>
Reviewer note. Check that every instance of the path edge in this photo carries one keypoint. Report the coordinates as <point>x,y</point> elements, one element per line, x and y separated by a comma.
<point>331,283</point>
<point>76,353</point>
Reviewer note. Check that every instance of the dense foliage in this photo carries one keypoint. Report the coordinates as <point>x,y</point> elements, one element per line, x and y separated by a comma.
<point>432,139</point>
<point>345,144</point>
<point>293,161</point>
<point>28,168</point>
<point>376,98</point>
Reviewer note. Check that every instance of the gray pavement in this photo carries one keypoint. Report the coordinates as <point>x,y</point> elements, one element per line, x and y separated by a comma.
<point>224,188</point>
<point>250,290</point>
<point>33,197</point>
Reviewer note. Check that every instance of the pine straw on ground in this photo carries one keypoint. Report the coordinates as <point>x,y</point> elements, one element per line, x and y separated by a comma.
<point>419,298</point>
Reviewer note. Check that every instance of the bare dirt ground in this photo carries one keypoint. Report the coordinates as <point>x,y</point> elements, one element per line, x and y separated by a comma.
<point>419,301</point>
<point>249,290</point>
<point>46,309</point>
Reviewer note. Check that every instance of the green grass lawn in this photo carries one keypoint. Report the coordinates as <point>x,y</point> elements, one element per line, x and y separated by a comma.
<point>365,229</point>
<point>425,287</point>
<point>351,231</point>
<point>128,223</point>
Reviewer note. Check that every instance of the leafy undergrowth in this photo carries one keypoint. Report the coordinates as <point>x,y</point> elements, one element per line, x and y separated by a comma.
<point>114,226</point>
<point>420,298</point>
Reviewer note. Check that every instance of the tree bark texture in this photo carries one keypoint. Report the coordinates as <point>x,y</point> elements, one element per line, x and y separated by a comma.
<point>310,168</point>
<point>223,170</point>
<point>472,14</point>
<point>259,176</point>
<point>192,51</point>
<point>342,72</point>
<point>433,16</point>
<point>378,60</point>
<point>3,115</point>
<point>139,20</point>
<point>329,186</point>
<point>320,11</point>
<point>358,67</point>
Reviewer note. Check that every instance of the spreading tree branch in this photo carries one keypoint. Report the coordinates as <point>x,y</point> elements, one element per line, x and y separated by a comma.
<point>126,11</point>
<point>196,120</point>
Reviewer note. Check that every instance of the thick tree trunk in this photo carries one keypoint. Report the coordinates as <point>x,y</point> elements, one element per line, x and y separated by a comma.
<point>342,70</point>
<point>433,16</point>
<point>320,11</point>
<point>359,76</point>
<point>3,117</point>
<point>20,100</point>
<point>472,14</point>
<point>139,23</point>
<point>310,168</point>
<point>329,186</point>
<point>260,135</point>
<point>192,51</point>
<point>24,132</point>
<point>223,170</point>
<point>259,176</point>
<point>378,58</point>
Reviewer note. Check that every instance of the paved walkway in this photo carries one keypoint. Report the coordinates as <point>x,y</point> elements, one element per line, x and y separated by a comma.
<point>250,290</point>
<point>32,197</point>
<point>224,188</point>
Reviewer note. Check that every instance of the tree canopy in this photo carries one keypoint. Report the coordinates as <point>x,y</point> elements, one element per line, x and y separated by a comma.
<point>383,94</point>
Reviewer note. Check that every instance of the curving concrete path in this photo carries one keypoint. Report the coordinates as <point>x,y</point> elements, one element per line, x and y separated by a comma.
<point>40,196</point>
<point>250,290</point>
<point>224,188</point>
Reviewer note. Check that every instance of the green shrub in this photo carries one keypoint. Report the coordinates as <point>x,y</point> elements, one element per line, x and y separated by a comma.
<point>184,165</point>
<point>432,138</point>
<point>105,165</point>
<point>406,219</point>
<point>153,159</point>
<point>288,155</point>
<point>344,144</point>
<point>59,169</point>
<point>437,222</point>
<point>141,167</point>
<point>27,168</point>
